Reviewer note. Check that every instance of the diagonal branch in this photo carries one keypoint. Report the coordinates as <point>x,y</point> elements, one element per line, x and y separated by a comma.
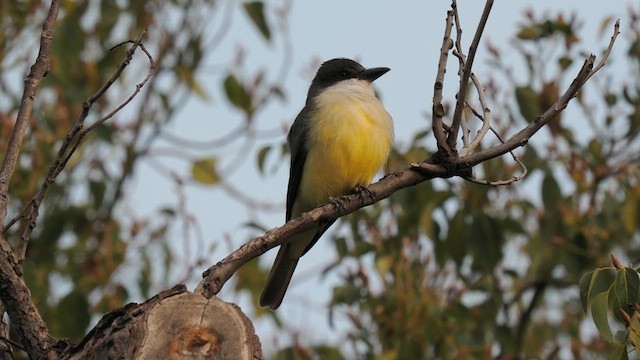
<point>522,137</point>
<point>15,297</point>
<point>523,168</point>
<point>74,138</point>
<point>25,318</point>
<point>216,276</point>
<point>38,71</point>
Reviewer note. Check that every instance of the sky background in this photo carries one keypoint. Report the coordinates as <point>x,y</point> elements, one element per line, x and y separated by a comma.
<point>404,36</point>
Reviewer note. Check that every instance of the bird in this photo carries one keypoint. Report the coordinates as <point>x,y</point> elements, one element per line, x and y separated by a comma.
<point>338,142</point>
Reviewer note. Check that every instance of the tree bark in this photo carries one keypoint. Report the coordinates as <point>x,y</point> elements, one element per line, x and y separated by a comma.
<point>175,324</point>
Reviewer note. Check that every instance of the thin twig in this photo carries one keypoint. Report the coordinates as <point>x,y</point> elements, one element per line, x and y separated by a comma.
<point>72,141</point>
<point>14,295</point>
<point>464,77</point>
<point>523,136</point>
<point>523,168</point>
<point>38,71</point>
<point>605,56</point>
<point>217,275</point>
<point>438,108</point>
<point>486,118</point>
<point>459,53</point>
<point>469,146</point>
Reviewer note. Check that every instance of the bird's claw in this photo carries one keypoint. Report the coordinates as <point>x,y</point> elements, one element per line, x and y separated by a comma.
<point>361,190</point>
<point>338,202</point>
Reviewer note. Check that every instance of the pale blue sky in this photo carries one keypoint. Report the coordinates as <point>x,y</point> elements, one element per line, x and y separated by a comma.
<point>404,36</point>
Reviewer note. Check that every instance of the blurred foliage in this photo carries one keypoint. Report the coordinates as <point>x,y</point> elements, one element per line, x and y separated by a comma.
<point>613,292</point>
<point>446,269</point>
<point>455,270</point>
<point>89,253</point>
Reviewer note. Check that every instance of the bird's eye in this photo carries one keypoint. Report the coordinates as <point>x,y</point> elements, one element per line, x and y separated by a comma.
<point>344,74</point>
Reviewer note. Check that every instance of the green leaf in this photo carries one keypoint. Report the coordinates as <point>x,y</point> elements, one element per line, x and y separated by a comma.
<point>619,352</point>
<point>236,93</point>
<point>262,155</point>
<point>97,189</point>
<point>527,99</point>
<point>204,171</point>
<point>627,286</point>
<point>631,211</point>
<point>327,352</point>
<point>599,313</point>
<point>601,281</point>
<point>347,294</point>
<point>384,264</point>
<point>564,62</point>
<point>341,247</point>
<point>72,315</point>
<point>455,245</point>
<point>634,330</point>
<point>550,193</point>
<point>528,33</point>
<point>388,355</point>
<point>255,10</point>
<point>585,285</point>
<point>144,279</point>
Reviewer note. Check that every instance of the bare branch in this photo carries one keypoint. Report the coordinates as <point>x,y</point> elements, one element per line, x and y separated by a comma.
<point>605,56</point>
<point>522,137</point>
<point>466,73</point>
<point>438,109</point>
<point>459,53</point>
<point>216,276</point>
<point>38,71</point>
<point>14,293</point>
<point>486,118</point>
<point>16,297</point>
<point>73,140</point>
<point>523,168</point>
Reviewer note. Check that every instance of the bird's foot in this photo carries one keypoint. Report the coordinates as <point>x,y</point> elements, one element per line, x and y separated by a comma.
<point>362,190</point>
<point>338,202</point>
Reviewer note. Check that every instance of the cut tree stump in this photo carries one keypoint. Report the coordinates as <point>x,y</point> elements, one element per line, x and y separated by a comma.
<point>175,324</point>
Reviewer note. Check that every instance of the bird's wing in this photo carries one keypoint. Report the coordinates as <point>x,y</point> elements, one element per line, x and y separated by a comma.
<point>297,139</point>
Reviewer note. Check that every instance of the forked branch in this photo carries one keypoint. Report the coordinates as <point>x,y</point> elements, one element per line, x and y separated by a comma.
<point>216,276</point>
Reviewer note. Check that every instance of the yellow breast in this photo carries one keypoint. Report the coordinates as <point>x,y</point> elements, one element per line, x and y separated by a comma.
<point>349,140</point>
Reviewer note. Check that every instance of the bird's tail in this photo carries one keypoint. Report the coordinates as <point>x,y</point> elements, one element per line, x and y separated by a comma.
<point>279,278</point>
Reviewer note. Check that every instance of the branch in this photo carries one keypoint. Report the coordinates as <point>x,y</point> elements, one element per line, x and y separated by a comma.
<point>216,276</point>
<point>25,319</point>
<point>466,73</point>
<point>486,118</point>
<point>523,168</point>
<point>605,56</point>
<point>437,112</point>
<point>538,290</point>
<point>522,137</point>
<point>38,71</point>
<point>74,138</point>
<point>14,293</point>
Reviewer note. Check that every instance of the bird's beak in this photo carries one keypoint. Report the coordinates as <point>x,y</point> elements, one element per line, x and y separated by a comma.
<point>371,74</point>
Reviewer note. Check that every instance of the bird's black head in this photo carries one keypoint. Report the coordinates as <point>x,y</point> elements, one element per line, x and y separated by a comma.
<point>336,70</point>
